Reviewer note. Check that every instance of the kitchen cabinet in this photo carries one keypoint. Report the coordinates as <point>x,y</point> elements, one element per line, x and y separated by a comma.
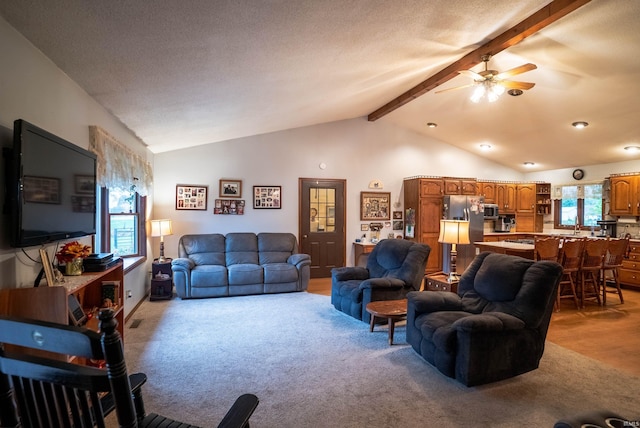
<point>488,190</point>
<point>630,270</point>
<point>506,198</point>
<point>460,186</point>
<point>525,198</point>
<point>425,197</point>
<point>625,195</point>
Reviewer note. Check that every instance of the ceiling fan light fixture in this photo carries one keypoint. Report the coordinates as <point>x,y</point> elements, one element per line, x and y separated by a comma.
<point>580,124</point>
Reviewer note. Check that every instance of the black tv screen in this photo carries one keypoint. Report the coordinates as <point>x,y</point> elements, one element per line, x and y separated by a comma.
<point>51,188</point>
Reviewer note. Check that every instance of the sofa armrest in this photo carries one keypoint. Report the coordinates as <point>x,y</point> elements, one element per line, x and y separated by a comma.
<point>489,322</point>
<point>182,263</point>
<point>181,268</point>
<point>434,301</point>
<point>349,272</point>
<point>394,283</point>
<point>299,260</point>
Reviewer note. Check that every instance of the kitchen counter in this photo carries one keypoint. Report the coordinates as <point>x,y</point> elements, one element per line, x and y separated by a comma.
<point>504,247</point>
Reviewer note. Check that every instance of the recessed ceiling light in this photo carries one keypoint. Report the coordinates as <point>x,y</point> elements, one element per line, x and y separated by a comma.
<point>485,147</point>
<point>580,125</point>
<point>529,164</point>
<point>515,92</point>
<point>432,125</point>
<point>632,149</point>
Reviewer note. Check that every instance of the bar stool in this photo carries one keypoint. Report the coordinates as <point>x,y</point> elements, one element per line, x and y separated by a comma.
<point>546,248</point>
<point>591,269</point>
<point>570,259</point>
<point>616,250</point>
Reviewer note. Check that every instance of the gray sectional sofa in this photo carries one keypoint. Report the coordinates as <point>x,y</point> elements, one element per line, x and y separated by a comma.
<point>216,265</point>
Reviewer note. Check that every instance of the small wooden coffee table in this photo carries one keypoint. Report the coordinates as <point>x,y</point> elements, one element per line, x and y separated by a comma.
<point>392,310</point>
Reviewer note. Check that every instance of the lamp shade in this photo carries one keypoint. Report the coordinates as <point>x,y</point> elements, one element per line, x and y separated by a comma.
<point>454,232</point>
<point>161,227</point>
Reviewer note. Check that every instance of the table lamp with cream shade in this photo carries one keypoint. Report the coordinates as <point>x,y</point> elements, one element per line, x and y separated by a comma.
<point>161,228</point>
<point>454,232</point>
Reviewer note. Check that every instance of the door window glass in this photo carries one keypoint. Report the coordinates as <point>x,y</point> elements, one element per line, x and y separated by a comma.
<point>322,209</point>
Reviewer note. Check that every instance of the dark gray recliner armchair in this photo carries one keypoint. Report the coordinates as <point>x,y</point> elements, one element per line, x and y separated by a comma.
<point>495,327</point>
<point>394,268</point>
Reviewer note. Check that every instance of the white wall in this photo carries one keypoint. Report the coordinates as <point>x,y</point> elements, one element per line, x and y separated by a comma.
<point>356,150</point>
<point>34,89</point>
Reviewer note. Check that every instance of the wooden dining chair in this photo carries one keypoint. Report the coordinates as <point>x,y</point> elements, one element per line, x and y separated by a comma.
<point>547,248</point>
<point>570,259</point>
<point>616,250</point>
<point>44,381</point>
<point>591,269</point>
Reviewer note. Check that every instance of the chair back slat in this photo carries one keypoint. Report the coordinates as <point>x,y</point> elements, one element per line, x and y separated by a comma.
<point>594,251</point>
<point>547,248</point>
<point>571,256</point>
<point>616,250</point>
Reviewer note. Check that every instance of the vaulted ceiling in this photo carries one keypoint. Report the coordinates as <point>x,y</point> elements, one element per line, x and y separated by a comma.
<point>186,73</point>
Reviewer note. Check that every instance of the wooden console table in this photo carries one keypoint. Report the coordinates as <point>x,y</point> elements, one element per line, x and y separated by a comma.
<point>51,303</point>
<point>361,253</point>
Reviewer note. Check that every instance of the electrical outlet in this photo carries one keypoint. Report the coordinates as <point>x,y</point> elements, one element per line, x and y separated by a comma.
<point>129,294</point>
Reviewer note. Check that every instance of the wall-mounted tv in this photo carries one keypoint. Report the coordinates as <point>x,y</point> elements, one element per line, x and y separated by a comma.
<point>51,188</point>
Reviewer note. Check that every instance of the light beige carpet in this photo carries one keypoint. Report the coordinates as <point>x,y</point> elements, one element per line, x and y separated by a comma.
<point>312,366</point>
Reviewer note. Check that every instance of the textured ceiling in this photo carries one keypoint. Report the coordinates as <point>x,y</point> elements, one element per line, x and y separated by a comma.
<point>186,73</point>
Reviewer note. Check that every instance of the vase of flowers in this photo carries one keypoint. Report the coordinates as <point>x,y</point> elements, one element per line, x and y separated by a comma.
<point>72,254</point>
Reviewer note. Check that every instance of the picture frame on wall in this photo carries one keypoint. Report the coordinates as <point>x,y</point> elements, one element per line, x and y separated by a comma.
<point>267,197</point>
<point>375,206</point>
<point>230,188</point>
<point>229,206</point>
<point>191,197</point>
<point>41,190</point>
<point>85,184</point>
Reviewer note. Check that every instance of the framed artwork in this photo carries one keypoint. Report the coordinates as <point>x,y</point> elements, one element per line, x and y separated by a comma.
<point>398,225</point>
<point>375,206</point>
<point>191,197</point>
<point>229,206</point>
<point>230,188</point>
<point>364,227</point>
<point>41,190</point>
<point>267,197</point>
<point>48,268</point>
<point>397,215</point>
<point>85,184</point>
<point>83,204</point>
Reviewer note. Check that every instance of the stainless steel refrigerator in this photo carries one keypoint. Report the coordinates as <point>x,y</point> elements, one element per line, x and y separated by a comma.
<point>459,207</point>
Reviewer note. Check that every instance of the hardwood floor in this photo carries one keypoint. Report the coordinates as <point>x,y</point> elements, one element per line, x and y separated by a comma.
<point>609,334</point>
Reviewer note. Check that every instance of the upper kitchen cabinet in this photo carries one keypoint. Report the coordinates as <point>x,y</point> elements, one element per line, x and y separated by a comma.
<point>460,186</point>
<point>506,198</point>
<point>525,198</point>
<point>488,190</point>
<point>625,195</point>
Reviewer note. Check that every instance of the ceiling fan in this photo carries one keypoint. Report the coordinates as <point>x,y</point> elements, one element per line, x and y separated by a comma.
<point>491,84</point>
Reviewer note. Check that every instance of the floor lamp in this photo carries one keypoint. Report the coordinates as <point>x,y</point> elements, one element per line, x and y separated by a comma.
<point>161,228</point>
<point>454,232</point>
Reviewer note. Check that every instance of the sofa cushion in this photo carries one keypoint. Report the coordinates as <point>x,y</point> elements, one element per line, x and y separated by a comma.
<point>241,248</point>
<point>209,276</point>
<point>279,272</point>
<point>276,247</point>
<point>206,249</point>
<point>245,273</point>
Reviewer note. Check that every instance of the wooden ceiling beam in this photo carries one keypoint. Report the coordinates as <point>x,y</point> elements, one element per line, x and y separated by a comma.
<point>531,25</point>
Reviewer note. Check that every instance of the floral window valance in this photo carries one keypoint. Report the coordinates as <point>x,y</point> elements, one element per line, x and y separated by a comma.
<point>118,166</point>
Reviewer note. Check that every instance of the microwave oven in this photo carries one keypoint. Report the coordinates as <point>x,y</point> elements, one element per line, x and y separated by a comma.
<point>490,211</point>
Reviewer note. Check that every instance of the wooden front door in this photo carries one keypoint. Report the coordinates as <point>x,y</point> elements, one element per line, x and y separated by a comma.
<point>322,224</point>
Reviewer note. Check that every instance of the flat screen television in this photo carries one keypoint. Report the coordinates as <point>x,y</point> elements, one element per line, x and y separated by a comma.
<point>51,189</point>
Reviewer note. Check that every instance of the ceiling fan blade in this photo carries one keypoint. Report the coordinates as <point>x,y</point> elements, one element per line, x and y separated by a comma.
<point>472,74</point>
<point>456,88</point>
<point>518,70</point>
<point>509,84</point>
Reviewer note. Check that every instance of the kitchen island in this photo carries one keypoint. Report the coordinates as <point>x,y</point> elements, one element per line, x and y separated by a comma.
<point>505,247</point>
